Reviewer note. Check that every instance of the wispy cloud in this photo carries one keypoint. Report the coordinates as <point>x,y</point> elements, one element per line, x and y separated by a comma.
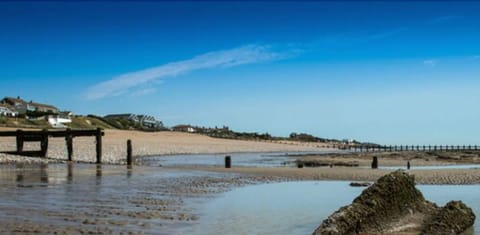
<point>476,57</point>
<point>430,63</point>
<point>142,92</point>
<point>124,83</point>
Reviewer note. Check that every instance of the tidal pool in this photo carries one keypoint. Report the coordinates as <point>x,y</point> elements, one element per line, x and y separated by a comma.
<point>300,207</point>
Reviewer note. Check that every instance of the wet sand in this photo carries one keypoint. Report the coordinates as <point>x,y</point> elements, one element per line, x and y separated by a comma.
<point>441,176</point>
<point>428,158</point>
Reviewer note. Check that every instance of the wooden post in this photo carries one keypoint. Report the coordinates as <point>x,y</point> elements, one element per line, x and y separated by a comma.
<point>408,165</point>
<point>375,163</point>
<point>69,142</point>
<point>44,143</point>
<point>19,140</point>
<point>99,145</point>
<point>129,152</point>
<point>228,162</point>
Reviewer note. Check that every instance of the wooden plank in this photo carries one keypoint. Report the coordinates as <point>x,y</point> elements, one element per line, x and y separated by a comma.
<point>32,138</point>
<point>53,133</point>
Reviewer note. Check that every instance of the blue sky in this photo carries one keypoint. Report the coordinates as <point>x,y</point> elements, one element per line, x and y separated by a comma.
<point>387,72</point>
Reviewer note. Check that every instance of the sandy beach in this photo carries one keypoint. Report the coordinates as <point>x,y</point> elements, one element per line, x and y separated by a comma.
<point>151,144</point>
<point>172,143</point>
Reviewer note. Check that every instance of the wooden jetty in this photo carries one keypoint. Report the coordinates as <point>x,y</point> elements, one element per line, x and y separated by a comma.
<point>401,148</point>
<point>43,135</point>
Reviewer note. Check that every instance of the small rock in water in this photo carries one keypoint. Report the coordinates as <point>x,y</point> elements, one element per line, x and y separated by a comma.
<point>360,184</point>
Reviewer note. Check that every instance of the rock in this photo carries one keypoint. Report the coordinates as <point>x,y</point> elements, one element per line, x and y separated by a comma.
<point>392,198</point>
<point>360,184</point>
<point>329,163</point>
<point>454,218</point>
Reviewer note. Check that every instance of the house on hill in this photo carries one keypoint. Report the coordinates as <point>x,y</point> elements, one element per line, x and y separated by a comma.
<point>145,121</point>
<point>183,128</point>
<point>60,120</point>
<point>7,111</point>
<point>149,121</point>
<point>126,116</point>
<point>22,106</point>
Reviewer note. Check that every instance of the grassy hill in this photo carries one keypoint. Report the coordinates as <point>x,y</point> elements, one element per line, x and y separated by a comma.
<point>78,122</point>
<point>88,122</point>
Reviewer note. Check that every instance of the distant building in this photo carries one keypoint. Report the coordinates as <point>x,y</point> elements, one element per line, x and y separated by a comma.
<point>145,121</point>
<point>7,111</point>
<point>149,121</point>
<point>21,106</point>
<point>126,116</point>
<point>184,128</point>
<point>59,120</point>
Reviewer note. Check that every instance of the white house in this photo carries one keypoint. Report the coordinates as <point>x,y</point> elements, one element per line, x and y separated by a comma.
<point>59,120</point>
<point>6,111</point>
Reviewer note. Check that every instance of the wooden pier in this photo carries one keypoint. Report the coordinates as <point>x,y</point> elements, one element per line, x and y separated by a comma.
<point>401,148</point>
<point>42,136</point>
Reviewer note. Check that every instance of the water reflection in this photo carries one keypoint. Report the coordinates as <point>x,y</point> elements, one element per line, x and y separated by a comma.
<point>69,172</point>
<point>35,177</point>
<point>129,171</point>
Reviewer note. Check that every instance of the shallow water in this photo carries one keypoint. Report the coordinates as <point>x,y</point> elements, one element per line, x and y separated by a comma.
<point>300,207</point>
<point>95,198</point>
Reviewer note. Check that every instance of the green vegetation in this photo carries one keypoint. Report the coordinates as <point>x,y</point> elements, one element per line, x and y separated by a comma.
<point>88,122</point>
<point>22,122</point>
<point>226,133</point>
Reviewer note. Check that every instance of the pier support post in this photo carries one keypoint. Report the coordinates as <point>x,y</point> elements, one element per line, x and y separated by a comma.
<point>375,163</point>
<point>44,143</point>
<point>99,145</point>
<point>129,153</point>
<point>228,162</point>
<point>19,140</point>
<point>408,165</point>
<point>69,142</point>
